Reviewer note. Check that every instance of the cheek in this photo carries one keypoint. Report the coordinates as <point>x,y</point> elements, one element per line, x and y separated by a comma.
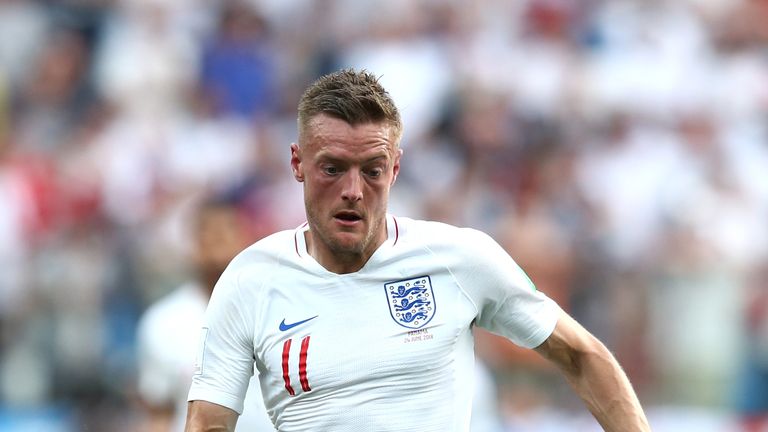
<point>318,193</point>
<point>379,194</point>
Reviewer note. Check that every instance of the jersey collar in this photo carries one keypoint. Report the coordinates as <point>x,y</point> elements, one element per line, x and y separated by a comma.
<point>300,242</point>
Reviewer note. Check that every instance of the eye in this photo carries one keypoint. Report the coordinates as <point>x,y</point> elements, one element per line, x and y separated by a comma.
<point>330,170</point>
<point>374,172</point>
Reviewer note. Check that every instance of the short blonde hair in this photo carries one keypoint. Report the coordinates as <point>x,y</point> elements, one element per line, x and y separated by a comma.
<point>356,97</point>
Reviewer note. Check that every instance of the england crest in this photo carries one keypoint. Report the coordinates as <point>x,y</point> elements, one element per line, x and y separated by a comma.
<point>411,301</point>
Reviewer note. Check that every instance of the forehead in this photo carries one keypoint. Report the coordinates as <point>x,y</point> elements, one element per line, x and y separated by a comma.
<point>328,134</point>
<point>215,217</point>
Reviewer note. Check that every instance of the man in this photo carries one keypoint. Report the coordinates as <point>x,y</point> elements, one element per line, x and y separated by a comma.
<point>167,335</point>
<point>361,321</point>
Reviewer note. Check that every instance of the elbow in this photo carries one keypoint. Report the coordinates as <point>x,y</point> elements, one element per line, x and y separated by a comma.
<point>573,349</point>
<point>578,358</point>
<point>594,349</point>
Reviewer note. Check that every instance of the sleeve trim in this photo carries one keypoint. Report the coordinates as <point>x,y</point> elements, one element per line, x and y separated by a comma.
<point>551,311</point>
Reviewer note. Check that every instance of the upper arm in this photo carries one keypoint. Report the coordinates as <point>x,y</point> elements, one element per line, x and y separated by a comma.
<point>205,416</point>
<point>595,375</point>
<point>567,343</point>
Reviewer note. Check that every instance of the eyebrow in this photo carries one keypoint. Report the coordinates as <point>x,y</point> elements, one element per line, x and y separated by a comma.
<point>329,158</point>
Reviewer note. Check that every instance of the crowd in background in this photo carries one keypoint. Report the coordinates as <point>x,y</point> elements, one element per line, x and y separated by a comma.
<point>618,149</point>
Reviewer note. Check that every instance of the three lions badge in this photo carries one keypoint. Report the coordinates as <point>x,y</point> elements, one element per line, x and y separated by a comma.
<point>411,301</point>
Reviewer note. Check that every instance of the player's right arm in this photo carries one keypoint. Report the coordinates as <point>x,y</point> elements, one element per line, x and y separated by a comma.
<point>224,363</point>
<point>203,416</point>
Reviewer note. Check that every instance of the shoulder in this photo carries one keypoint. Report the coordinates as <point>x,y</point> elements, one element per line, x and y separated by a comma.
<point>460,249</point>
<point>252,267</point>
<point>439,235</point>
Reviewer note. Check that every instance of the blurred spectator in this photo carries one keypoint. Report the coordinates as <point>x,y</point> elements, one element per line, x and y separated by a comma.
<point>238,64</point>
<point>56,97</point>
<point>145,61</point>
<point>168,332</point>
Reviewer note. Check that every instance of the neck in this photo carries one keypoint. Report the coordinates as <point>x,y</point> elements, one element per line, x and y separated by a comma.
<point>339,261</point>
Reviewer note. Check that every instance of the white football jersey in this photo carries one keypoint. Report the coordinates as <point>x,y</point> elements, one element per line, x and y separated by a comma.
<point>167,340</point>
<point>387,348</point>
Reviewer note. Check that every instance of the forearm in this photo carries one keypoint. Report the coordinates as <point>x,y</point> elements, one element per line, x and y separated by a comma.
<point>604,387</point>
<point>595,375</point>
<point>208,417</point>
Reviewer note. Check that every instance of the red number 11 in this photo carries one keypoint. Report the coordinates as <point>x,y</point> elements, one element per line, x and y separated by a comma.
<point>302,365</point>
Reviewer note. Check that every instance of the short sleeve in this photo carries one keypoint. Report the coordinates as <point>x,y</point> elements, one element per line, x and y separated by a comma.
<point>224,360</point>
<point>508,302</point>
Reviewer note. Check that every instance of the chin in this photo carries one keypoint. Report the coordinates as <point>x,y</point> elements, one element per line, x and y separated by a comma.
<point>347,243</point>
<point>348,246</point>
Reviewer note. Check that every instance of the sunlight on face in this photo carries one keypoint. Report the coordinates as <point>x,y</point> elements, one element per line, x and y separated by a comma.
<point>347,173</point>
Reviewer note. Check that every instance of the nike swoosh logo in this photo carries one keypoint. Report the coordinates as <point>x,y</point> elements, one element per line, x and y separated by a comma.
<point>284,326</point>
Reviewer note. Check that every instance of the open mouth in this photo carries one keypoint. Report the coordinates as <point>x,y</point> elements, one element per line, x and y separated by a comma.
<point>348,216</point>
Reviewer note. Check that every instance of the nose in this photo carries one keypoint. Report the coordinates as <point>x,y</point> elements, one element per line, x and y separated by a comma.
<point>352,187</point>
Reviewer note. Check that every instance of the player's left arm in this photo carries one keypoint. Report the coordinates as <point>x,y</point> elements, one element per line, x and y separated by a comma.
<point>595,375</point>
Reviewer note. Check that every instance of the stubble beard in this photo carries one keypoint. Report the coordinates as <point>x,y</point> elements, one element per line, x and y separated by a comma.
<point>342,249</point>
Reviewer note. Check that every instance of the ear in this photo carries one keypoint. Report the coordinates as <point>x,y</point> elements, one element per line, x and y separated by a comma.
<point>298,174</point>
<point>396,166</point>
